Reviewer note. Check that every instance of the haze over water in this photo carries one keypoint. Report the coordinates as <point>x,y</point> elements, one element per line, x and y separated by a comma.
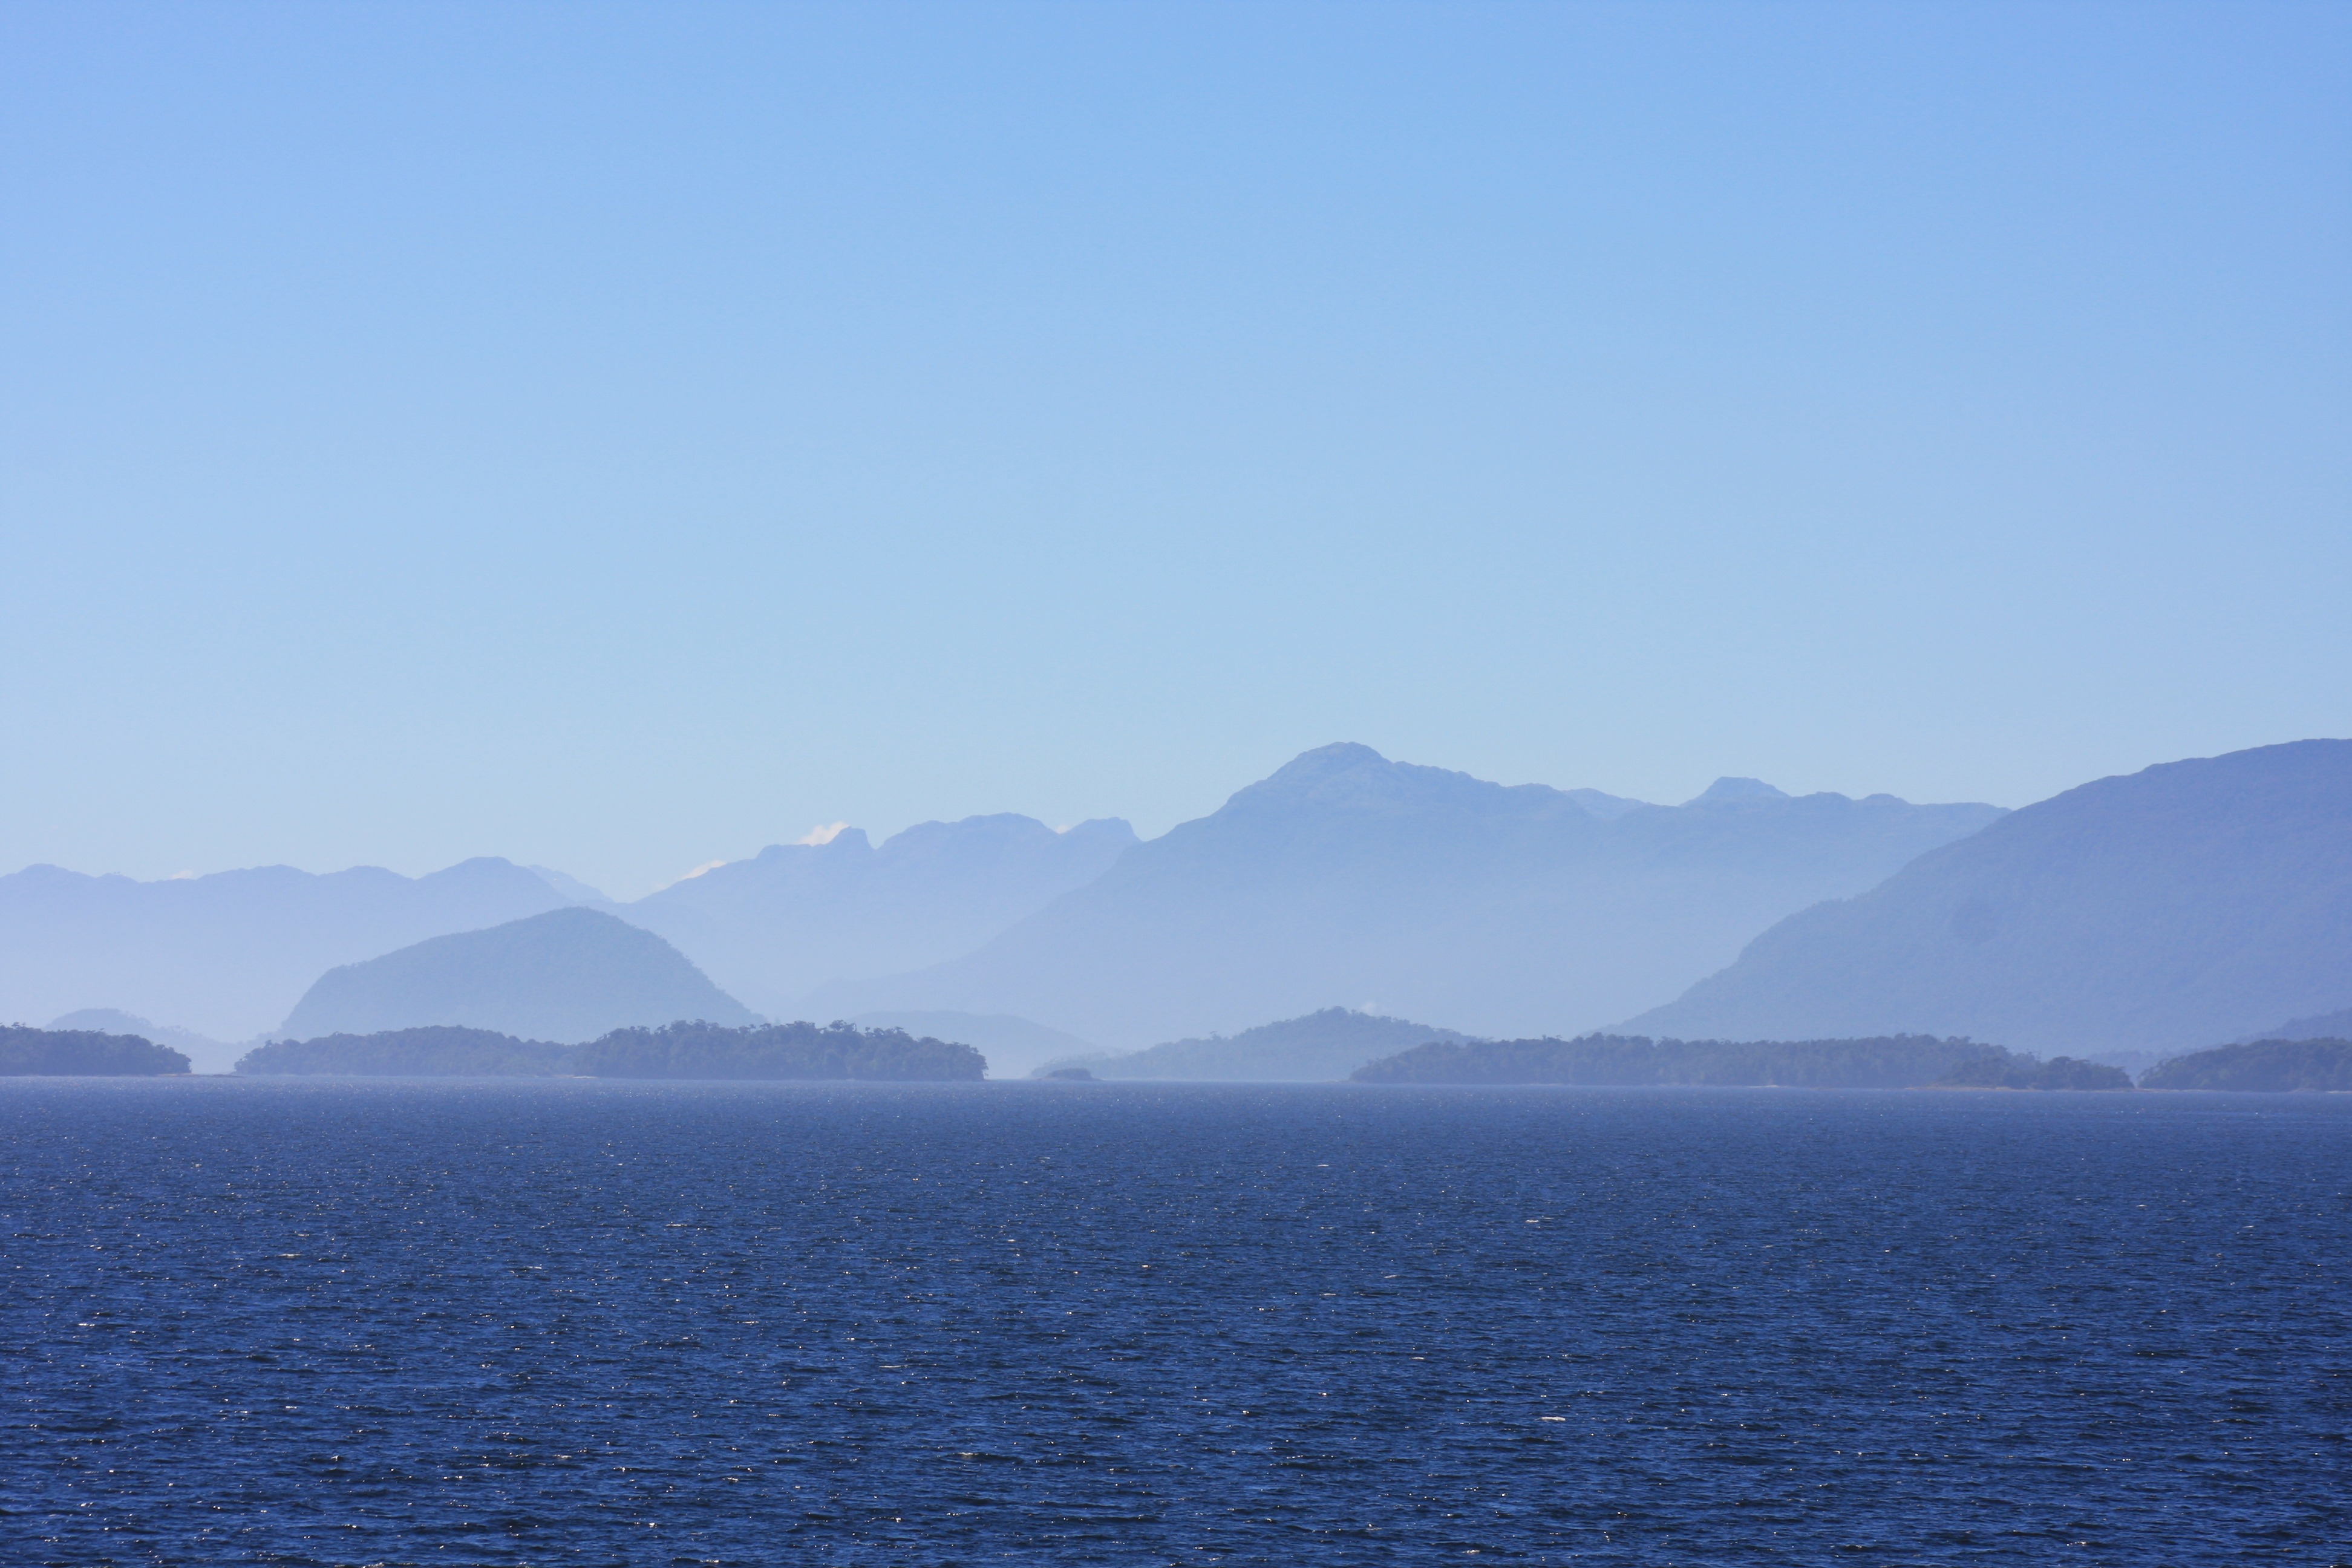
<point>553,1322</point>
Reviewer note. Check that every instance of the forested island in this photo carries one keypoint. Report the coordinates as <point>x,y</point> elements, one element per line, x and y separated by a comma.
<point>2262,1065</point>
<point>2019,1069</point>
<point>445,1050</point>
<point>779,1051</point>
<point>83,1053</point>
<point>684,1050</point>
<point>1889,1061</point>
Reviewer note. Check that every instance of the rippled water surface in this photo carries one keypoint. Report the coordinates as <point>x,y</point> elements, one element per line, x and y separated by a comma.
<point>607,1323</point>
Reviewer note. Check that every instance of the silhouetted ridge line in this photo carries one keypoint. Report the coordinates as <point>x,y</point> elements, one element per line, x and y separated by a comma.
<point>771,928</point>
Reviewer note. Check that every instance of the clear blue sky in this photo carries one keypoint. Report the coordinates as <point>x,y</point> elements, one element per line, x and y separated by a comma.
<point>623,436</point>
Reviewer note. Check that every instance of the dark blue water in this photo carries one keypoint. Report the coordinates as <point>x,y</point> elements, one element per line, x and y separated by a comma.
<point>607,1323</point>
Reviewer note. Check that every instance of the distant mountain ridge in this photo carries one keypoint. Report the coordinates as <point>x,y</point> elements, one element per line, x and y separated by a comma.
<point>1506,909</point>
<point>773,928</point>
<point>2167,909</point>
<point>568,975</point>
<point>2334,1026</point>
<point>225,955</point>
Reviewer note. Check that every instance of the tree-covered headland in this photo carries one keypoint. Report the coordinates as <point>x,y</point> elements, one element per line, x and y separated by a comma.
<point>2260,1066</point>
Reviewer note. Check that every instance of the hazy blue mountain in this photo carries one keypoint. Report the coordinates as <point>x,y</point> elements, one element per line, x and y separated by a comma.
<point>1013,1046</point>
<point>773,928</point>
<point>227,956</point>
<point>571,889</point>
<point>2335,1025</point>
<point>1349,879</point>
<point>204,1054</point>
<point>2169,910</point>
<point>1725,790</point>
<point>1607,808</point>
<point>1321,1048</point>
<point>568,975</point>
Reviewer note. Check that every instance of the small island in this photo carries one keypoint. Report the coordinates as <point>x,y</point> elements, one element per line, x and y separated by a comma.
<point>83,1053</point>
<point>2261,1067</point>
<point>681,1050</point>
<point>1599,1061</point>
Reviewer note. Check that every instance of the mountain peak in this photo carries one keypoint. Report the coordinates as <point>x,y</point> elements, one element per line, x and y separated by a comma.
<point>1725,790</point>
<point>1328,762</point>
<point>1346,776</point>
<point>568,974</point>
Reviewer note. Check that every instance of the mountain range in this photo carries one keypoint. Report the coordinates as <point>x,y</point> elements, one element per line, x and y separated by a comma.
<point>773,928</point>
<point>2190,904</point>
<point>225,955</point>
<point>2178,907</point>
<point>1348,879</point>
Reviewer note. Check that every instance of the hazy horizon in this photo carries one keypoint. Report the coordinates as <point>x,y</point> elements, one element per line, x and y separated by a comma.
<point>567,881</point>
<point>620,438</point>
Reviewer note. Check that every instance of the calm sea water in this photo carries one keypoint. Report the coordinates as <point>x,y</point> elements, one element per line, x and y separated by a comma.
<point>311,1322</point>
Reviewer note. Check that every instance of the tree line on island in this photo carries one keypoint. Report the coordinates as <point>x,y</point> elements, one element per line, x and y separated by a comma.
<point>682,1051</point>
<point>843,1052</point>
<point>83,1053</point>
<point>1889,1061</point>
<point>802,1051</point>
